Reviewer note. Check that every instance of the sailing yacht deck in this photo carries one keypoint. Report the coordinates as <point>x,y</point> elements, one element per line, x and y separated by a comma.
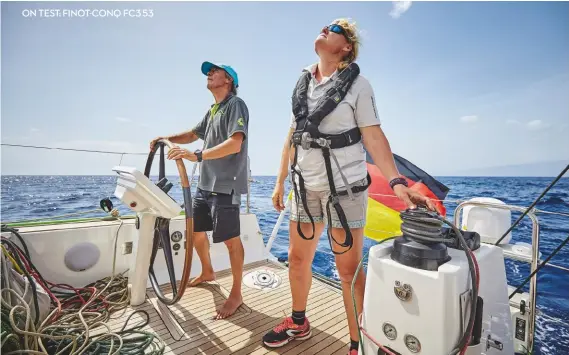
<point>188,326</point>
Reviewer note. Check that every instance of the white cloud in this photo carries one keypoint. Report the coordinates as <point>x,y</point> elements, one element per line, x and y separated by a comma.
<point>469,119</point>
<point>399,8</point>
<point>33,130</point>
<point>534,125</point>
<point>123,119</point>
<point>537,125</point>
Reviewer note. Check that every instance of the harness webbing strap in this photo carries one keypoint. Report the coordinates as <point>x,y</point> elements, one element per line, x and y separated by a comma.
<point>335,201</point>
<point>302,191</point>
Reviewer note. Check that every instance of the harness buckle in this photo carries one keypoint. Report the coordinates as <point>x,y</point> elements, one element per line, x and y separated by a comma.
<point>348,138</point>
<point>305,140</point>
<point>336,95</point>
<point>296,139</point>
<point>323,142</point>
<point>334,199</point>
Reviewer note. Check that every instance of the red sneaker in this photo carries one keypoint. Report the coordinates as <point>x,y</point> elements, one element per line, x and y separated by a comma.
<point>286,331</point>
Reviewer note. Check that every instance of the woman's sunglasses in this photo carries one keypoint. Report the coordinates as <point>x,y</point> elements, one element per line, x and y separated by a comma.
<point>338,29</point>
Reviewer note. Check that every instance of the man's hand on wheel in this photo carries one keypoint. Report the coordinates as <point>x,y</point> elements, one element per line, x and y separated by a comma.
<point>181,153</point>
<point>154,141</point>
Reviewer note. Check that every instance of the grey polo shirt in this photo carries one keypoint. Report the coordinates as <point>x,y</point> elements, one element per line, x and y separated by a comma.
<point>358,109</point>
<point>227,174</point>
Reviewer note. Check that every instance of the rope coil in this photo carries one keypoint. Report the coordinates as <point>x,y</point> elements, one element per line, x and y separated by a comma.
<point>76,321</point>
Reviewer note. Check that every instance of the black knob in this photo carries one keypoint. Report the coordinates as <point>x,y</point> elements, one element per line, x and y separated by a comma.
<point>162,182</point>
<point>106,204</point>
<point>167,187</point>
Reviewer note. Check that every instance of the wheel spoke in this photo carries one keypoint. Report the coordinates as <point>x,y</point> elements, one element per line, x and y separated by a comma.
<point>167,249</point>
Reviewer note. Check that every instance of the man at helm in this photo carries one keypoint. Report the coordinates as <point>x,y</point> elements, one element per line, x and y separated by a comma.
<point>223,176</point>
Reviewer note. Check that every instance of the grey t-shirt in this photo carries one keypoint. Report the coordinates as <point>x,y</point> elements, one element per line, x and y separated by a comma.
<point>227,174</point>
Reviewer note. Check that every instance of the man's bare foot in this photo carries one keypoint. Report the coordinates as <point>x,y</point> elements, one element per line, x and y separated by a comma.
<point>229,307</point>
<point>202,278</point>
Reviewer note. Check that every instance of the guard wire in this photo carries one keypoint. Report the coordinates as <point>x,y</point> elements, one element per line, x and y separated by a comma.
<point>559,247</point>
<point>533,204</point>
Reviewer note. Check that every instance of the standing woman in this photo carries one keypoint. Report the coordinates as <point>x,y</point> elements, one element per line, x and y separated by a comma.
<point>334,117</point>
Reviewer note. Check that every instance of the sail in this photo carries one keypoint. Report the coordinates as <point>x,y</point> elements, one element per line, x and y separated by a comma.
<point>383,209</point>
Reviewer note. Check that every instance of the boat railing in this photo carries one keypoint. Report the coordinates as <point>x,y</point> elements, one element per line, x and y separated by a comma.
<point>277,226</point>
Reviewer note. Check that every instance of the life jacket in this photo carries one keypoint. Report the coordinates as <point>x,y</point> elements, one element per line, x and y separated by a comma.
<point>307,135</point>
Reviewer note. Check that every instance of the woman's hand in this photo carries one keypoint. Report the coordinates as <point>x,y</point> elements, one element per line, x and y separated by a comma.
<point>413,198</point>
<point>278,195</point>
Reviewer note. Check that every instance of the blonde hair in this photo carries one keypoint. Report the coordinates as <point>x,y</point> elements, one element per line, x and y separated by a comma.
<point>352,34</point>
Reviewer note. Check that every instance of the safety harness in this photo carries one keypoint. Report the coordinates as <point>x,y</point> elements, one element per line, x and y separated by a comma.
<point>307,136</point>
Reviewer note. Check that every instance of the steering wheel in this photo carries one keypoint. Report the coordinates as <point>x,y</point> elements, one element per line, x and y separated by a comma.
<point>161,228</point>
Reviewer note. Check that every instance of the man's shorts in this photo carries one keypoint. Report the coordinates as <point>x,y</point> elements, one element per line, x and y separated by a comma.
<point>217,212</point>
<point>316,201</point>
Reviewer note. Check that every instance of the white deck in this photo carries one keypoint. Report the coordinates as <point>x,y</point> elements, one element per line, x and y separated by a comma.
<point>188,327</point>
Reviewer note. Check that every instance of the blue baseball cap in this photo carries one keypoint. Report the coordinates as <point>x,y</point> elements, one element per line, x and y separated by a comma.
<point>206,67</point>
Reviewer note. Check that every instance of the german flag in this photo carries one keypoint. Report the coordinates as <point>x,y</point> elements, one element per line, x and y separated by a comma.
<point>383,209</point>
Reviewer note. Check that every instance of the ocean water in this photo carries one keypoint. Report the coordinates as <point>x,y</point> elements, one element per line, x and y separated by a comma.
<point>32,197</point>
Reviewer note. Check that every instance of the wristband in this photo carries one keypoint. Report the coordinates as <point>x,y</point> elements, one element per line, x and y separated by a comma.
<point>398,181</point>
<point>198,154</point>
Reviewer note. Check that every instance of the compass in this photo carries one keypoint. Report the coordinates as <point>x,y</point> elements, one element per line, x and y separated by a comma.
<point>412,343</point>
<point>389,331</point>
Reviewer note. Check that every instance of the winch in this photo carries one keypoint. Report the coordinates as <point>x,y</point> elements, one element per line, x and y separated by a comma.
<point>424,293</point>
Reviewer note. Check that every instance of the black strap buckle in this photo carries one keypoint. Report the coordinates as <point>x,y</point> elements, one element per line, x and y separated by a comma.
<point>334,200</point>
<point>348,138</point>
<point>296,138</point>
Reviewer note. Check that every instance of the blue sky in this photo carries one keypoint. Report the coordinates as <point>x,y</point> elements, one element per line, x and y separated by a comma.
<point>458,85</point>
